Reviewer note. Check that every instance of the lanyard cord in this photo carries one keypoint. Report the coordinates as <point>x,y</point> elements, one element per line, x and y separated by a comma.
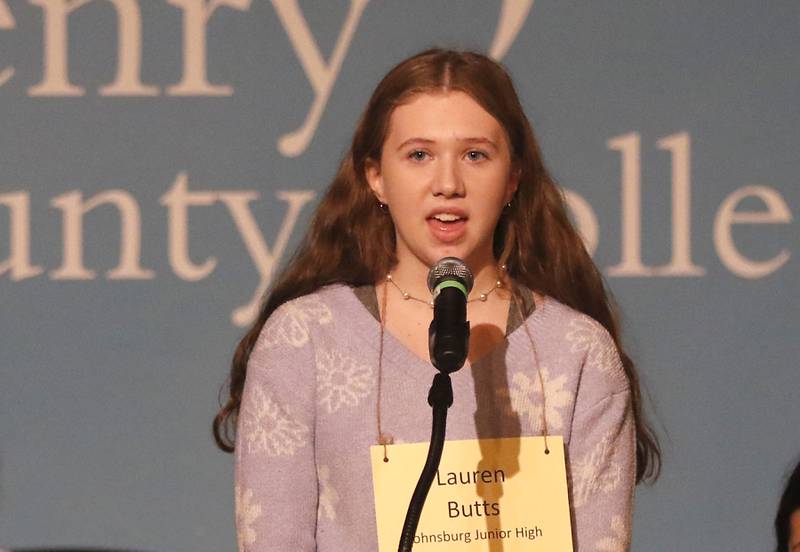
<point>517,295</point>
<point>385,439</point>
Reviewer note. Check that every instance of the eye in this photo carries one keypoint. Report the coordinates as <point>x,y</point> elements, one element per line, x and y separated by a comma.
<point>476,155</point>
<point>418,155</point>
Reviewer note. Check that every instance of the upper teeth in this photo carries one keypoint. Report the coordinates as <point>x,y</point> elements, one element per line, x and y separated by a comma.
<point>446,217</point>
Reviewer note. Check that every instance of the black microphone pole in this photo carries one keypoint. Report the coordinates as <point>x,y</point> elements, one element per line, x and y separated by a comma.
<point>448,340</point>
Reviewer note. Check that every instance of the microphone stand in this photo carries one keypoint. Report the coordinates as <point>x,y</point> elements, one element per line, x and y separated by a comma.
<point>440,397</point>
<point>448,338</point>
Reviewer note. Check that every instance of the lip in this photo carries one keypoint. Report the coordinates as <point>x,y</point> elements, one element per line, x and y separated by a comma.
<point>447,232</point>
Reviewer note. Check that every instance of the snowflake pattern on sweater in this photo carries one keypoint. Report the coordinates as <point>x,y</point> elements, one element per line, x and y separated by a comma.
<point>293,322</point>
<point>267,427</point>
<point>308,411</point>
<point>618,540</point>
<point>526,399</point>
<point>247,512</point>
<point>593,474</point>
<point>342,381</point>
<point>585,335</point>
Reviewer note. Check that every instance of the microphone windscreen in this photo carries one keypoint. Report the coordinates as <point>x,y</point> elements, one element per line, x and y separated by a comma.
<point>450,268</point>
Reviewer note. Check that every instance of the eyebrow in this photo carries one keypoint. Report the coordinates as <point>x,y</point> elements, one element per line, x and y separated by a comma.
<point>470,140</point>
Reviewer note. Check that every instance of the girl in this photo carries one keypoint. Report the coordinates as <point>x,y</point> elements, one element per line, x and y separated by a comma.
<point>443,163</point>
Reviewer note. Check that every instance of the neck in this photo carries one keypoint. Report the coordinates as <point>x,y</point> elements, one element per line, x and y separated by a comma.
<point>411,275</point>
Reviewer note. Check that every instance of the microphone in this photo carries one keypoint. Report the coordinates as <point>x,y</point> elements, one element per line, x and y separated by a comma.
<point>450,281</point>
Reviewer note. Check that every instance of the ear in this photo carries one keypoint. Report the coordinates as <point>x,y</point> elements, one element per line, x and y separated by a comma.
<point>372,172</point>
<point>512,185</point>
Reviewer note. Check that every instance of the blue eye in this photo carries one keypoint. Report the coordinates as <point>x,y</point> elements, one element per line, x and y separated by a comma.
<point>418,155</point>
<point>476,155</point>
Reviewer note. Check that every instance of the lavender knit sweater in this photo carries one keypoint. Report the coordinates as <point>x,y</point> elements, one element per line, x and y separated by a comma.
<point>307,420</point>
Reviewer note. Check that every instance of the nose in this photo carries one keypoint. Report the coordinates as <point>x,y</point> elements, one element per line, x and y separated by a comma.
<point>448,181</point>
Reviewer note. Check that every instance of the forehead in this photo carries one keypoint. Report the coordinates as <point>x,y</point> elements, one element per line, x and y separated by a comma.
<point>442,116</point>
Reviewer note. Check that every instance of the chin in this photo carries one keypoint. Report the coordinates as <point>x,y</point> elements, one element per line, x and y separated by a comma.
<point>451,251</point>
<point>432,253</point>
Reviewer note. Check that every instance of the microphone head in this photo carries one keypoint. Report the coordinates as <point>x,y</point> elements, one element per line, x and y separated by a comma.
<point>450,268</point>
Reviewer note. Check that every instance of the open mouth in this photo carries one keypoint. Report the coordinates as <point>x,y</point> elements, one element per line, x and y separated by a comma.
<point>447,217</point>
<point>447,227</point>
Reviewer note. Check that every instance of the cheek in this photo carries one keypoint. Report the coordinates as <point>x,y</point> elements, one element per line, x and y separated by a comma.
<point>406,195</point>
<point>402,203</point>
<point>794,527</point>
<point>397,184</point>
<point>493,189</point>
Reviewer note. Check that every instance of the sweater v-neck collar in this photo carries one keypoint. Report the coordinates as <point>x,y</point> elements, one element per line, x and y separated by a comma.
<point>368,296</point>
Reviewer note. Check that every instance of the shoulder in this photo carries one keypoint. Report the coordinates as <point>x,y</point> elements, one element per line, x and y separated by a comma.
<point>589,341</point>
<point>294,322</point>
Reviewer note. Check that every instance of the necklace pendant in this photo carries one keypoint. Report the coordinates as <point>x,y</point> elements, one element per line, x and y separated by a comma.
<point>406,296</point>
<point>484,297</point>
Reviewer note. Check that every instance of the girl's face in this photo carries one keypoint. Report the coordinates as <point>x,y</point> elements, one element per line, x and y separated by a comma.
<point>445,173</point>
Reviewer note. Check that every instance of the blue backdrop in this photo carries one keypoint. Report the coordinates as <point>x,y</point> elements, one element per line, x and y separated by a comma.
<point>159,159</point>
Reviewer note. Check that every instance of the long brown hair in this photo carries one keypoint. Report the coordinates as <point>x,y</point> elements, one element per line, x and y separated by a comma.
<point>351,240</point>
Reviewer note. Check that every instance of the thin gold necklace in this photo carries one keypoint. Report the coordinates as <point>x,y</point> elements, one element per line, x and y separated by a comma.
<point>482,297</point>
<point>386,439</point>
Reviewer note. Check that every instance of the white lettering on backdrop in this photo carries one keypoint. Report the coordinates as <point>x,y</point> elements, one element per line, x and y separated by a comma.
<point>196,14</point>
<point>513,14</point>
<point>73,209</point>
<point>178,199</point>
<point>18,264</point>
<point>631,265</point>
<point>6,22</point>
<point>195,23</point>
<point>321,75</point>
<point>777,213</point>
<point>55,81</point>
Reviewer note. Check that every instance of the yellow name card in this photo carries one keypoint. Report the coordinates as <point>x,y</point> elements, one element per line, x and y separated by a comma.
<point>488,494</point>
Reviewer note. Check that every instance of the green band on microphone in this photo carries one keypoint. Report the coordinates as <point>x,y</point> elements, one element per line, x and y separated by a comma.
<point>450,283</point>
